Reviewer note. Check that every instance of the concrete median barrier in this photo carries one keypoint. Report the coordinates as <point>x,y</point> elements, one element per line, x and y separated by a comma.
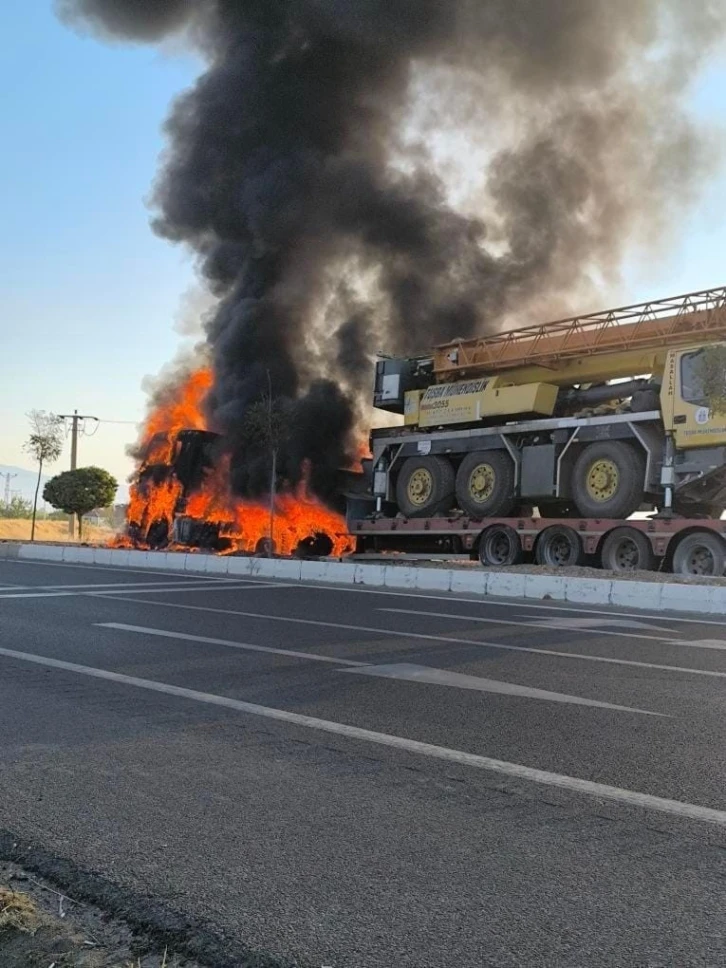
<point>676,595</point>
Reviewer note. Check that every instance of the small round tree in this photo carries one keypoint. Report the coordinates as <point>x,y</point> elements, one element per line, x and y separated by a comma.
<point>80,491</point>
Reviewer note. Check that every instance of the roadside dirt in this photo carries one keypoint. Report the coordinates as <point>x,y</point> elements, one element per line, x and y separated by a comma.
<point>40,927</point>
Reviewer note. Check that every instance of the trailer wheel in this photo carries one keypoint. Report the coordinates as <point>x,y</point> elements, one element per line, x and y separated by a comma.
<point>559,546</point>
<point>700,553</point>
<point>499,545</point>
<point>627,549</point>
<point>608,480</point>
<point>485,484</point>
<point>425,485</point>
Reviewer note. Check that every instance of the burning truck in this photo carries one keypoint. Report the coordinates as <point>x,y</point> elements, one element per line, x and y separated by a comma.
<point>181,494</point>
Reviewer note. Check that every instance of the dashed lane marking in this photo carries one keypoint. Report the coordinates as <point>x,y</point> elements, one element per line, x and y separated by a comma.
<point>566,625</point>
<point>144,589</point>
<point>629,798</point>
<point>408,672</point>
<point>405,634</point>
<point>209,640</point>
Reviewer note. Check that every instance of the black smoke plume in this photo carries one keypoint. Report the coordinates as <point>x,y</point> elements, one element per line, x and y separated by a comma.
<point>310,170</point>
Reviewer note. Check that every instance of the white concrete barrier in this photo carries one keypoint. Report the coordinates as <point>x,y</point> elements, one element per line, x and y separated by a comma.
<point>648,596</point>
<point>637,594</point>
<point>544,586</point>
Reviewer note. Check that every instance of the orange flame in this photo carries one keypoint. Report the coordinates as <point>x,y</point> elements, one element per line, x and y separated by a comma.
<point>243,523</point>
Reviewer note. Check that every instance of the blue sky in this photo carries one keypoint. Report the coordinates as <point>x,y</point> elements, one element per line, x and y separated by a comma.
<point>88,294</point>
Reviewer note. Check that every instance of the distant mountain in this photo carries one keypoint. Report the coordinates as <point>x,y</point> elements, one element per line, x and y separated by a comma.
<point>23,483</point>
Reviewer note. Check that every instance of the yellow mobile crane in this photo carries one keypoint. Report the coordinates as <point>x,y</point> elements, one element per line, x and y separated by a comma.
<point>592,417</point>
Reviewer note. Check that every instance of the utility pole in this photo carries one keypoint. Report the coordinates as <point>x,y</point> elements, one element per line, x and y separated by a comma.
<point>273,469</point>
<point>8,477</point>
<point>75,419</point>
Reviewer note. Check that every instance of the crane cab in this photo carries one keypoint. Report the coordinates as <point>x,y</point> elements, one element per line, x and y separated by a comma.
<point>690,408</point>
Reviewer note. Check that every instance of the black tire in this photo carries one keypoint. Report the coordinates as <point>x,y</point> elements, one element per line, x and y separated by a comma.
<point>425,486</point>
<point>485,484</point>
<point>627,549</point>
<point>500,546</point>
<point>608,480</point>
<point>559,547</point>
<point>700,553</point>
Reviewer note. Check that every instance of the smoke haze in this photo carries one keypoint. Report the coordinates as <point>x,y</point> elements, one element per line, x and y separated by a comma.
<point>302,170</point>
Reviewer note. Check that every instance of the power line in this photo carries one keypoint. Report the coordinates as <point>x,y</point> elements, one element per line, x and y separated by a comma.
<point>77,423</point>
<point>8,477</point>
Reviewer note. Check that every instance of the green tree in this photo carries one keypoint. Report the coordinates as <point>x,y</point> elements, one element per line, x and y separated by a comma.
<point>45,444</point>
<point>80,491</point>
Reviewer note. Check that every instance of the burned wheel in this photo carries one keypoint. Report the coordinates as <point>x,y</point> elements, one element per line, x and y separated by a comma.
<point>627,549</point>
<point>425,486</point>
<point>485,484</point>
<point>608,480</point>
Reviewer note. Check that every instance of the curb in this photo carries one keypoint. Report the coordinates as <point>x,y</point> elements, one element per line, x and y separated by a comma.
<point>643,595</point>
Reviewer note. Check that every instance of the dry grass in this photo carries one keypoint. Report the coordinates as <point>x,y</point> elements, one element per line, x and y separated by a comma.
<point>31,936</point>
<point>17,912</point>
<point>18,529</point>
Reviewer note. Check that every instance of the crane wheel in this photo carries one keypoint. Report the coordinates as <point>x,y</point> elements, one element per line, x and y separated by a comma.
<point>627,549</point>
<point>485,484</point>
<point>499,546</point>
<point>701,553</point>
<point>425,486</point>
<point>608,480</point>
<point>558,547</point>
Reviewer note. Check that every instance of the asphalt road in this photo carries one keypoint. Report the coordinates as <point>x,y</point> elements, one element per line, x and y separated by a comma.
<point>368,779</point>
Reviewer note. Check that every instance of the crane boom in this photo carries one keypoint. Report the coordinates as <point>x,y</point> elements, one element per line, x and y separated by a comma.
<point>643,328</point>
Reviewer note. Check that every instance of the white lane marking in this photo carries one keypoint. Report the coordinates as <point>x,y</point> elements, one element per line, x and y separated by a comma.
<point>717,644</point>
<point>510,603</point>
<point>38,595</point>
<point>402,670</point>
<point>148,589</point>
<point>121,569</point>
<point>398,634</point>
<point>442,677</point>
<point>630,798</point>
<point>566,625</point>
<point>591,623</point>
<point>131,586</point>
<point>209,640</point>
<point>101,586</point>
<point>145,589</point>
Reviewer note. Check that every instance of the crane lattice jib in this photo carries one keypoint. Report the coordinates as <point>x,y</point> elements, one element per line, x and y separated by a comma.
<point>697,316</point>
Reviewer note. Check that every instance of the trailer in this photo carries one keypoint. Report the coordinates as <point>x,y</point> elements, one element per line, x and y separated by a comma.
<point>685,546</point>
